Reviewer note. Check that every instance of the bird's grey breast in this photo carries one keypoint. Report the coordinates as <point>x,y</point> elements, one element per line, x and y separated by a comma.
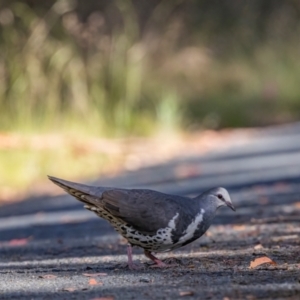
<point>189,228</point>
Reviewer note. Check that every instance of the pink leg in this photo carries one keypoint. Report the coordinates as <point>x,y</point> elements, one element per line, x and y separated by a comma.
<point>157,261</point>
<point>131,265</point>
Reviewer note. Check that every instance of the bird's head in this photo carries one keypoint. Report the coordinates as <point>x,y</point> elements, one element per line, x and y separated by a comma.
<point>221,197</point>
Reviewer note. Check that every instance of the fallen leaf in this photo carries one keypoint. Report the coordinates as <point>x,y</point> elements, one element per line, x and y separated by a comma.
<point>70,289</point>
<point>239,227</point>
<point>186,293</point>
<point>261,260</point>
<point>18,242</point>
<point>257,247</point>
<point>48,276</point>
<point>94,274</point>
<point>93,281</point>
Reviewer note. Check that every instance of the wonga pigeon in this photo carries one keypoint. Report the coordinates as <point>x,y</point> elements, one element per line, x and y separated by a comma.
<point>154,221</point>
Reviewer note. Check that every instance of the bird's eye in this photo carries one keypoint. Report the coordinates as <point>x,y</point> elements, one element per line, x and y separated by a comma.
<point>220,196</point>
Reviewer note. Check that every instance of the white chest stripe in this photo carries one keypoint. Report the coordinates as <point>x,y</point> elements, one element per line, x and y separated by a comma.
<point>189,232</point>
<point>171,224</point>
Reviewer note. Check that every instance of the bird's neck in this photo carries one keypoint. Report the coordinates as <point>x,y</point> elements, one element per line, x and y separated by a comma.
<point>210,207</point>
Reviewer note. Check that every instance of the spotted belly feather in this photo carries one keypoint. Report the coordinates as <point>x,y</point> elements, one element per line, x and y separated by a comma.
<point>161,241</point>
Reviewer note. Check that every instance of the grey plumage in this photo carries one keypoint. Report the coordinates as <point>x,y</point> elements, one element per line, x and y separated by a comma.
<point>149,219</point>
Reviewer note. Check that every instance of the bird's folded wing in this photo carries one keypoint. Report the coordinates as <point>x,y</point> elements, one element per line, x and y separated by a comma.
<point>146,210</point>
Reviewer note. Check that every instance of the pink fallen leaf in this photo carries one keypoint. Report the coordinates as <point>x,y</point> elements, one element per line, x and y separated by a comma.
<point>18,242</point>
<point>93,281</point>
<point>260,261</point>
<point>186,293</point>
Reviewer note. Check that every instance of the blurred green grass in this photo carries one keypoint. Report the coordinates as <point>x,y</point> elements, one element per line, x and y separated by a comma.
<point>59,73</point>
<point>51,84</point>
<point>21,167</point>
<point>95,77</point>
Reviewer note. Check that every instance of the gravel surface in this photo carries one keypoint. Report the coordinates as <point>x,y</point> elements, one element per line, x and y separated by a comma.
<point>51,248</point>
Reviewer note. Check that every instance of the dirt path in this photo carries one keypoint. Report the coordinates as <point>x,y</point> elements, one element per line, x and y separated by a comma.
<point>51,248</point>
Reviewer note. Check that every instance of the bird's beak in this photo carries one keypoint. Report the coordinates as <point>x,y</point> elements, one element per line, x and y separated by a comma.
<point>229,204</point>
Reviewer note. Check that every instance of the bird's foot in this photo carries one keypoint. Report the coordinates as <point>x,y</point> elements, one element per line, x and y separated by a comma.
<point>157,262</point>
<point>166,264</point>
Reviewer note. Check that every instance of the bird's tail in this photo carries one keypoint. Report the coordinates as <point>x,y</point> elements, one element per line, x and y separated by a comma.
<point>87,194</point>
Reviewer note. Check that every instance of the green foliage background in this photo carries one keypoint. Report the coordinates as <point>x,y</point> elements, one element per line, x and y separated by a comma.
<point>73,72</point>
<point>116,68</point>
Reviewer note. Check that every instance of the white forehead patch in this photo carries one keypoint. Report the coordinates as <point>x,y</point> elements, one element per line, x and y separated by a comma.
<point>224,193</point>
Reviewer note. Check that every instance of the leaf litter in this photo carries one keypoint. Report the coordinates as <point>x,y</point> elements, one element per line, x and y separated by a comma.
<point>93,281</point>
<point>260,261</point>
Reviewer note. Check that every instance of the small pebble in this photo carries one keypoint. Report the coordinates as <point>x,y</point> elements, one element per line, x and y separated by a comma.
<point>144,279</point>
